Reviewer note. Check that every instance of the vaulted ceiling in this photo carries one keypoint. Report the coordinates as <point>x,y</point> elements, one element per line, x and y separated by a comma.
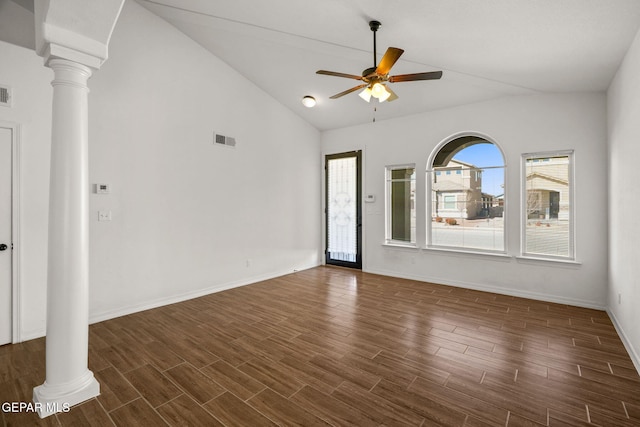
<point>487,49</point>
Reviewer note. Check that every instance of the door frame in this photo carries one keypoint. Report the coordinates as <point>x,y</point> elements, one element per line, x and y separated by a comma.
<point>358,263</point>
<point>15,228</point>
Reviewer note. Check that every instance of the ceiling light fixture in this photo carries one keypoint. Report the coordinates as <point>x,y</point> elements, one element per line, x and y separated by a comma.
<point>309,101</point>
<point>365,94</point>
<point>377,90</point>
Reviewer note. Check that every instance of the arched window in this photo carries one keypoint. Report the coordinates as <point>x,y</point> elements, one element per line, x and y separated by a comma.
<point>466,199</point>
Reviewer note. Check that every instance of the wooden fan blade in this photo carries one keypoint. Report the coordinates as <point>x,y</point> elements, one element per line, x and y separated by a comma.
<point>333,73</point>
<point>390,57</point>
<point>348,91</point>
<point>431,75</point>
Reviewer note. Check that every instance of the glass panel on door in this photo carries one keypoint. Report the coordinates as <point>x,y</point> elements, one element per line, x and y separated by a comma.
<point>343,210</point>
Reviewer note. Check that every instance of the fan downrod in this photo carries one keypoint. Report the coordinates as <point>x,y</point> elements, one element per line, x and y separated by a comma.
<point>374,25</point>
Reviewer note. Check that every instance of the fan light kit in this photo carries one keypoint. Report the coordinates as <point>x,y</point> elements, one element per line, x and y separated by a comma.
<point>374,78</point>
<point>378,91</point>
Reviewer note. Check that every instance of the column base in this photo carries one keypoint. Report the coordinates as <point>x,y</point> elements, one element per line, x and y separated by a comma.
<point>50,399</point>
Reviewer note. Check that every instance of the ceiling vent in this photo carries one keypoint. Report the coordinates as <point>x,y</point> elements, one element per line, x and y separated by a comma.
<point>5,96</point>
<point>224,140</point>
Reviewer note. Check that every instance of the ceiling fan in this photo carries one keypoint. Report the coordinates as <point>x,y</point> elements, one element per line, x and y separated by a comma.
<point>374,78</point>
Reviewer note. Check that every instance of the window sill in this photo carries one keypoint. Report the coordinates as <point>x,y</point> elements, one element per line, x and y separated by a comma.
<point>533,259</point>
<point>400,245</point>
<point>499,255</point>
<point>467,252</point>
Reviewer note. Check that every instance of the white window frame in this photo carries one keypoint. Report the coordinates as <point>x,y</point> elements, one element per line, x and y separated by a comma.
<point>388,225</point>
<point>429,177</point>
<point>541,156</point>
<point>455,202</point>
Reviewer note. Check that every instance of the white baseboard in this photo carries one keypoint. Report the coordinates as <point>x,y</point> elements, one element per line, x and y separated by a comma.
<point>123,311</point>
<point>494,289</point>
<point>30,335</point>
<point>147,305</point>
<point>633,354</point>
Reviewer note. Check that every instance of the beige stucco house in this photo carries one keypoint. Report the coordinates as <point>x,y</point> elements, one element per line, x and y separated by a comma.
<point>458,193</point>
<point>548,188</point>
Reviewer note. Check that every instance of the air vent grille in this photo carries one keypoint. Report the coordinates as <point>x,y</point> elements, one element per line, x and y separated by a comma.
<point>224,140</point>
<point>5,96</point>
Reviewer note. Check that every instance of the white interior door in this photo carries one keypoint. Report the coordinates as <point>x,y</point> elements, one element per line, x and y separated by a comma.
<point>5,235</point>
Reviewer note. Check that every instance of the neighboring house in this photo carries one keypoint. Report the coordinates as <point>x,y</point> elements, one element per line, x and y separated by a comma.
<point>458,191</point>
<point>548,189</point>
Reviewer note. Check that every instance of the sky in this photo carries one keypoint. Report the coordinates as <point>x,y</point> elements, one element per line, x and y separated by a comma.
<point>485,155</point>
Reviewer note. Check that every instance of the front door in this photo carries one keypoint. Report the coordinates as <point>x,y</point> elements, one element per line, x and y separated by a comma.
<point>554,204</point>
<point>343,209</point>
<point>6,136</point>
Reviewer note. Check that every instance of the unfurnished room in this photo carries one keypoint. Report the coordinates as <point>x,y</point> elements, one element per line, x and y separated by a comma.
<point>340,213</point>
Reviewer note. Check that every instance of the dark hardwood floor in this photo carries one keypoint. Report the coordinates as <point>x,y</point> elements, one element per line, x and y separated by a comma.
<point>332,346</point>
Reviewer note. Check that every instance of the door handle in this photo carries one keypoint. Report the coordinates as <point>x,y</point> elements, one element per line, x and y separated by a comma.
<point>3,247</point>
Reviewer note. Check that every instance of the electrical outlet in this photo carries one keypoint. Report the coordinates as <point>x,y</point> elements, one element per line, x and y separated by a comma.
<point>104,216</point>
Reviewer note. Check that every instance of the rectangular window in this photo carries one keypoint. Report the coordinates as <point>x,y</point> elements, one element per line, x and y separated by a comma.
<point>450,202</point>
<point>548,229</point>
<point>401,212</point>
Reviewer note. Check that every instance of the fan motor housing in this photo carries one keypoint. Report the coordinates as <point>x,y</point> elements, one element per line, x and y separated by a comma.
<point>369,71</point>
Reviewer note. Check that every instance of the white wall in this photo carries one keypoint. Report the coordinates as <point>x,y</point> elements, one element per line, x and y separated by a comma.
<point>519,125</point>
<point>22,69</point>
<point>624,200</point>
<point>188,217</point>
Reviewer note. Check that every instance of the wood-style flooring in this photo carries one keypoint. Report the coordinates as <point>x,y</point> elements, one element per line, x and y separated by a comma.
<point>332,346</point>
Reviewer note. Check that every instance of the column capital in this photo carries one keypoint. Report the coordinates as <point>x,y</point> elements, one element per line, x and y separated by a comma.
<point>52,52</point>
<point>68,72</point>
<point>77,30</point>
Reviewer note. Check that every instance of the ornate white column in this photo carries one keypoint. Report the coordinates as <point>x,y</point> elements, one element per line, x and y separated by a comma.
<point>71,36</point>
<point>68,379</point>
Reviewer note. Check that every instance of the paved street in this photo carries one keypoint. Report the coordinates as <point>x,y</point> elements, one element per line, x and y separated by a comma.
<point>490,238</point>
<point>545,237</point>
<point>548,237</point>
